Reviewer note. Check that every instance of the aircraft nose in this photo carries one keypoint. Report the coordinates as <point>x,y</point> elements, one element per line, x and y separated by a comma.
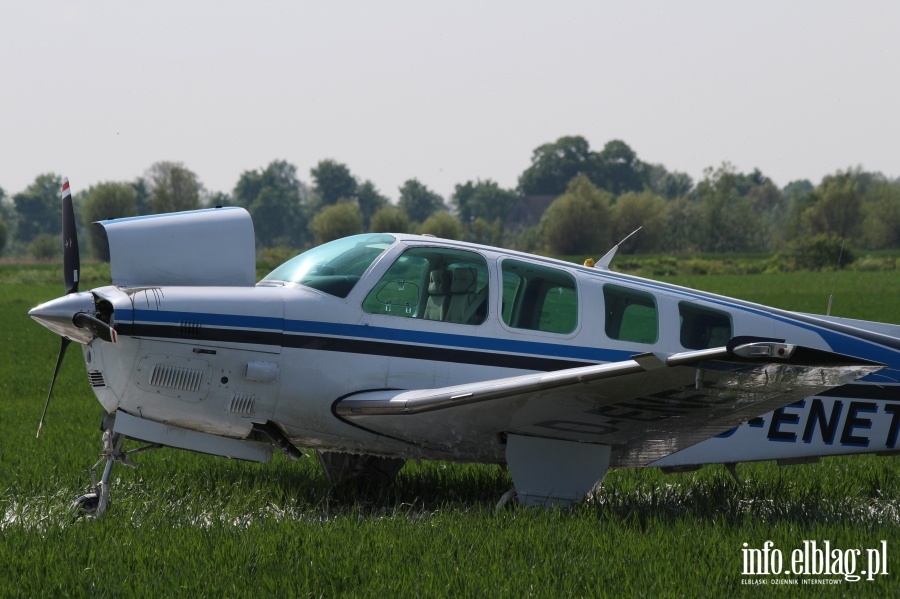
<point>58,314</point>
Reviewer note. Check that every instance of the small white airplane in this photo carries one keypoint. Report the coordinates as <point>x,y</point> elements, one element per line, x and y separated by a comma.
<point>379,348</point>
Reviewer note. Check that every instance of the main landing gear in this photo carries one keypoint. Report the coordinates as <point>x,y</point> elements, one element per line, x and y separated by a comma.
<point>94,503</point>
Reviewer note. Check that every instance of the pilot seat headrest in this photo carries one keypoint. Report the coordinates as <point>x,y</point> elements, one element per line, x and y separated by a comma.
<point>463,280</point>
<point>439,282</point>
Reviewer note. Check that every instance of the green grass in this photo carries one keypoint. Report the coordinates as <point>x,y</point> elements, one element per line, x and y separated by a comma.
<point>198,526</point>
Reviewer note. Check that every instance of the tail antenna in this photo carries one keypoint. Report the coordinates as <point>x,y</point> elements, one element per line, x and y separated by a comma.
<point>834,280</point>
<point>605,261</point>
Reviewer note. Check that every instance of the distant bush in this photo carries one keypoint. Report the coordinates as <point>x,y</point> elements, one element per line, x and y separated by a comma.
<point>45,247</point>
<point>269,258</point>
<point>875,263</point>
<point>820,252</point>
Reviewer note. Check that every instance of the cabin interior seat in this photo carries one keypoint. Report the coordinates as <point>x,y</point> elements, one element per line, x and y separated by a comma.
<point>438,295</point>
<point>463,296</point>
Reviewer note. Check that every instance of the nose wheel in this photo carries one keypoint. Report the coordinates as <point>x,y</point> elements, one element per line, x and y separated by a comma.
<point>93,504</point>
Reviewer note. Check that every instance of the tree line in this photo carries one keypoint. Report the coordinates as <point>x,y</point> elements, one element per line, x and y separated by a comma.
<point>593,199</point>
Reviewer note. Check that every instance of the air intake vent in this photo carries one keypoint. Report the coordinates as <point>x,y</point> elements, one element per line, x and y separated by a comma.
<point>96,378</point>
<point>242,404</point>
<point>176,377</point>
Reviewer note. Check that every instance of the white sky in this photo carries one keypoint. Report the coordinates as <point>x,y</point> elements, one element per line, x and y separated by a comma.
<point>443,91</point>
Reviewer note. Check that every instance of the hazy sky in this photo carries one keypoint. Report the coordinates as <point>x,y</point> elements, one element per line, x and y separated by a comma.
<point>443,91</point>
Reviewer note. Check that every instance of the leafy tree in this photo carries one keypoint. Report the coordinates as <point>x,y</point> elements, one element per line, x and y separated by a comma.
<point>837,207</point>
<point>389,219</point>
<point>553,165</point>
<point>726,215</point>
<point>141,195</point>
<point>274,197</point>
<point>104,201</point>
<point>418,201</point>
<point>615,168</point>
<point>3,217</point>
<point>276,219</point>
<point>797,189</point>
<point>370,201</point>
<point>336,221</point>
<point>442,224</point>
<point>173,188</point>
<point>620,170</point>
<point>38,208</point>
<point>462,194</point>
<point>488,201</point>
<point>684,230</point>
<point>332,181</point>
<point>882,216</point>
<point>488,233</point>
<point>670,185</point>
<point>578,221</point>
<point>646,210</point>
<point>46,246</point>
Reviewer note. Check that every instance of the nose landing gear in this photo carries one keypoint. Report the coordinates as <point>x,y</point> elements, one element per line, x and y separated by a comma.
<point>93,504</point>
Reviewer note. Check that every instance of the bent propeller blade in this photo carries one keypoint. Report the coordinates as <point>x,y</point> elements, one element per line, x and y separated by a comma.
<point>62,352</point>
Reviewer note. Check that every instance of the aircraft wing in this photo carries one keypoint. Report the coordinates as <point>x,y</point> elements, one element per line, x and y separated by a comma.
<point>645,408</point>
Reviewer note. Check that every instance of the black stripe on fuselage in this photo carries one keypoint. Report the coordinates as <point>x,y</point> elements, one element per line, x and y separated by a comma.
<point>182,333</point>
<point>352,346</point>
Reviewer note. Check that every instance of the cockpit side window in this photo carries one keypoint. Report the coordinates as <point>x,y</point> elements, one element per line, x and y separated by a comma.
<point>433,284</point>
<point>631,315</point>
<point>702,327</point>
<point>539,298</point>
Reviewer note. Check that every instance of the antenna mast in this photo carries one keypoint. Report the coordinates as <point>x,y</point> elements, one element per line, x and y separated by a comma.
<point>607,259</point>
<point>834,280</point>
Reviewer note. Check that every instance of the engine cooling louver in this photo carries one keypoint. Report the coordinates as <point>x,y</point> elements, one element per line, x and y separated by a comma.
<point>179,378</point>
<point>96,378</point>
<point>242,404</point>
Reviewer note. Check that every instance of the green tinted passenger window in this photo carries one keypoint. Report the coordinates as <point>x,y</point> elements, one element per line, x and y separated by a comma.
<point>539,298</point>
<point>630,315</point>
<point>702,328</point>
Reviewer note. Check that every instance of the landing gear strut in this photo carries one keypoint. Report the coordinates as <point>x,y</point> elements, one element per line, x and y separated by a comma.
<point>94,503</point>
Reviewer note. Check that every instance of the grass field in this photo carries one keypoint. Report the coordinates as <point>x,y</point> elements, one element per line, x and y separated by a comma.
<point>197,526</point>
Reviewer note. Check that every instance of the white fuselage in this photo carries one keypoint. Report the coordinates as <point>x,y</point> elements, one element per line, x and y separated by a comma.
<point>219,359</point>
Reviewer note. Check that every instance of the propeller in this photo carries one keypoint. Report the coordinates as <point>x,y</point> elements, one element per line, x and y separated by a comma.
<point>71,260</point>
<point>71,268</point>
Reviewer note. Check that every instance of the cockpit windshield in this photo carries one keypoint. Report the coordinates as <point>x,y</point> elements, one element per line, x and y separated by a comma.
<point>334,267</point>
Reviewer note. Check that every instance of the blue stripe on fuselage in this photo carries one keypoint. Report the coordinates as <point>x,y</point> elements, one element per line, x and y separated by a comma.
<point>397,335</point>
